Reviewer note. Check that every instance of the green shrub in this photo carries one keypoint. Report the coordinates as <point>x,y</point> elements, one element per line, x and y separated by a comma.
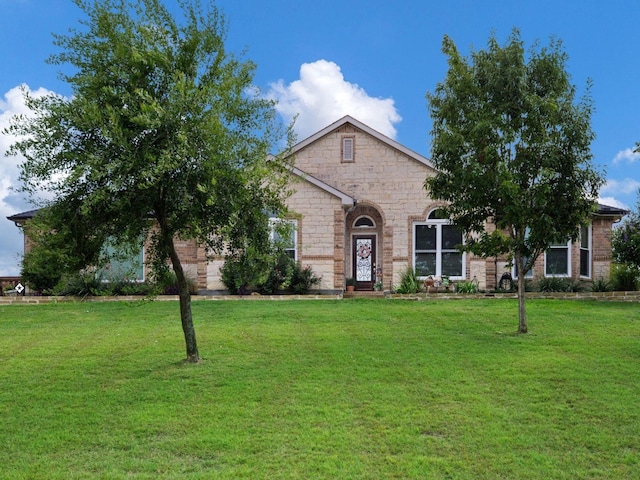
<point>125,287</point>
<point>167,284</point>
<point>466,286</point>
<point>301,279</point>
<point>624,277</point>
<point>559,284</point>
<point>83,284</point>
<point>92,284</point>
<point>244,270</point>
<point>277,275</point>
<point>409,282</point>
<point>601,285</point>
<point>42,270</point>
<point>267,274</point>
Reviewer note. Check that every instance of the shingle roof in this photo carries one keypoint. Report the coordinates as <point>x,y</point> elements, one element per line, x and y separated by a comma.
<point>610,211</point>
<point>29,214</point>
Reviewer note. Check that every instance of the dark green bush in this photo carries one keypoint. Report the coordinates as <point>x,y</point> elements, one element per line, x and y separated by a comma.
<point>166,283</point>
<point>301,279</point>
<point>559,284</point>
<point>277,275</point>
<point>624,277</point>
<point>245,270</point>
<point>601,285</point>
<point>83,284</point>
<point>266,273</point>
<point>92,284</point>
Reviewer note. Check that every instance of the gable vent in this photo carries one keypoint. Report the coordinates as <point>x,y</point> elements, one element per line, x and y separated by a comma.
<point>347,149</point>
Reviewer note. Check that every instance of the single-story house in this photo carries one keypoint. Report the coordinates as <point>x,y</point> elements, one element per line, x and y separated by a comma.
<point>360,210</point>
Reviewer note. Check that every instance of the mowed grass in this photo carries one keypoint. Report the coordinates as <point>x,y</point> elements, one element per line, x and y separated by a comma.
<point>353,389</point>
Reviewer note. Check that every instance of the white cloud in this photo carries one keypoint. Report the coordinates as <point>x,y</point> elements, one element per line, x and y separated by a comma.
<point>11,242</point>
<point>626,155</point>
<point>613,202</point>
<point>625,187</point>
<point>613,190</point>
<point>322,95</point>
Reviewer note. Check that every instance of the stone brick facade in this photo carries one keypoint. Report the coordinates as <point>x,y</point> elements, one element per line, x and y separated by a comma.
<point>374,190</point>
<point>383,182</point>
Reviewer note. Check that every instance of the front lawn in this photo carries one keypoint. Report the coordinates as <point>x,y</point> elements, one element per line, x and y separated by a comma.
<point>352,389</point>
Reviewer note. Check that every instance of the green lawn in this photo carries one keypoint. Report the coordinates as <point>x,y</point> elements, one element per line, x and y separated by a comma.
<point>353,389</point>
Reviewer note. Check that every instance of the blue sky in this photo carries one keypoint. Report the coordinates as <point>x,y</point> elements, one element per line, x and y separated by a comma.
<point>372,59</point>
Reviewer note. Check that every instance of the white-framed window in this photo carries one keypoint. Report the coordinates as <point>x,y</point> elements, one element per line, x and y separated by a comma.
<point>585,251</point>
<point>289,242</point>
<point>348,149</point>
<point>434,246</point>
<point>557,260</point>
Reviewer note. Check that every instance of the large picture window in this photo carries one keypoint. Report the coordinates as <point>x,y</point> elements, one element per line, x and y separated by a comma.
<point>123,265</point>
<point>435,242</point>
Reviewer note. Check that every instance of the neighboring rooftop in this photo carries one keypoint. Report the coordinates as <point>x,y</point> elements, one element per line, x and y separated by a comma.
<point>21,217</point>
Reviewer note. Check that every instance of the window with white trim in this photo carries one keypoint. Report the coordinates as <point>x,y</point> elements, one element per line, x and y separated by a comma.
<point>434,246</point>
<point>289,240</point>
<point>348,149</point>
<point>557,260</point>
<point>585,251</point>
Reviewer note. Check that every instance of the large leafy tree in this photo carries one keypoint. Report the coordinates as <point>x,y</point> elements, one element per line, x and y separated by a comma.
<point>163,138</point>
<point>511,145</point>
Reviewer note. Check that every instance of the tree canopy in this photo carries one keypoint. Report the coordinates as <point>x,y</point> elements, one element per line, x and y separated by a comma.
<point>511,145</point>
<point>625,240</point>
<point>164,137</point>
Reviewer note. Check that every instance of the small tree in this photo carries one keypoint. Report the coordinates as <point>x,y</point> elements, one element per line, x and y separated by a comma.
<point>61,243</point>
<point>163,138</point>
<point>512,147</point>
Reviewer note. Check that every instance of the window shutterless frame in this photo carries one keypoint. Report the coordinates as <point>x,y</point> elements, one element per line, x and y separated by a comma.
<point>434,247</point>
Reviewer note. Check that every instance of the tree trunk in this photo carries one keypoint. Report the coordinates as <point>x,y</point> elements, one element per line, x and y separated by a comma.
<point>185,305</point>
<point>522,311</point>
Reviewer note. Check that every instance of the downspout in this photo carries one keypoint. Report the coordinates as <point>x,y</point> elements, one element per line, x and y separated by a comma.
<point>344,240</point>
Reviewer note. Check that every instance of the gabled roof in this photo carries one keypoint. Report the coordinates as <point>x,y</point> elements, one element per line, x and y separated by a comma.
<point>347,200</point>
<point>367,129</point>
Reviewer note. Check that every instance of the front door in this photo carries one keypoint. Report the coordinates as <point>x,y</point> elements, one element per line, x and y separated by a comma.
<point>364,261</point>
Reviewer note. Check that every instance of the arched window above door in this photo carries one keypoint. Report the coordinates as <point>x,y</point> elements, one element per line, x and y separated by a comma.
<point>364,222</point>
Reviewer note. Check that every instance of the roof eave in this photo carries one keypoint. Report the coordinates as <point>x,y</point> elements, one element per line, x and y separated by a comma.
<point>346,199</point>
<point>374,133</point>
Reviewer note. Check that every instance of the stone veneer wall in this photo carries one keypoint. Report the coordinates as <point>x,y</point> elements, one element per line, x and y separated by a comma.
<point>381,178</point>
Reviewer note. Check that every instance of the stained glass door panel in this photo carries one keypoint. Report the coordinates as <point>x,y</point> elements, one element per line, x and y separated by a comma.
<point>364,262</point>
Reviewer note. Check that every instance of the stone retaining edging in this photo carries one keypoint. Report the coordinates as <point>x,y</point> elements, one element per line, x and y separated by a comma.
<point>35,300</point>
<point>597,296</point>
